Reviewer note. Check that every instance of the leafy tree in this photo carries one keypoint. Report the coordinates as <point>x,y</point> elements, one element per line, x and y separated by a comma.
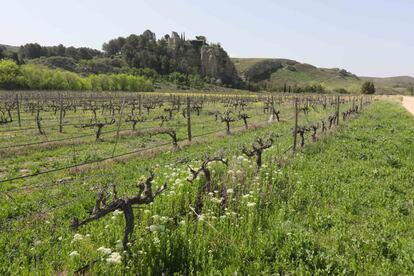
<point>141,51</point>
<point>32,50</point>
<point>10,74</point>
<point>411,90</point>
<point>87,53</point>
<point>368,87</point>
<point>71,52</point>
<point>2,52</point>
<point>114,46</point>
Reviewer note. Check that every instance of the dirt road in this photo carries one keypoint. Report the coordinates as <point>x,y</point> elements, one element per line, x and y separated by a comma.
<point>408,103</point>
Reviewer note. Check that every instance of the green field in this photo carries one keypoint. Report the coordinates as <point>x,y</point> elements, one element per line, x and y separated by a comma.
<point>341,205</point>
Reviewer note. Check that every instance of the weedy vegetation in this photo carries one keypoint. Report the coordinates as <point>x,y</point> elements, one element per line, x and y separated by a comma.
<point>214,184</point>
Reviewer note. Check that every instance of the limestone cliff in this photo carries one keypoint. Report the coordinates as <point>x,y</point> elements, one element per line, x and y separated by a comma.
<point>216,64</point>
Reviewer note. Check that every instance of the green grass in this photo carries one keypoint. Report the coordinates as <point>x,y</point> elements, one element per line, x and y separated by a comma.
<point>342,206</point>
<point>394,85</point>
<point>294,73</point>
<point>305,74</point>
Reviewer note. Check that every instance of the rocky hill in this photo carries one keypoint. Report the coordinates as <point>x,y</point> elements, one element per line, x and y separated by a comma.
<point>277,73</point>
<point>169,54</point>
<point>274,74</point>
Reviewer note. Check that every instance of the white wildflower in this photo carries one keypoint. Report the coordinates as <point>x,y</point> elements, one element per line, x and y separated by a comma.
<point>74,254</point>
<point>117,212</point>
<point>164,219</point>
<point>114,258</point>
<point>251,204</point>
<point>77,237</point>
<point>157,228</point>
<point>156,217</point>
<point>104,250</point>
<point>216,200</point>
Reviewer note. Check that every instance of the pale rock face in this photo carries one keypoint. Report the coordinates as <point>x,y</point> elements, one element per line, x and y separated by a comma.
<point>210,60</point>
<point>215,63</point>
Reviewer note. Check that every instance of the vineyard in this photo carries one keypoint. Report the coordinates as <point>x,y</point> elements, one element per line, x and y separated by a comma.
<point>155,183</point>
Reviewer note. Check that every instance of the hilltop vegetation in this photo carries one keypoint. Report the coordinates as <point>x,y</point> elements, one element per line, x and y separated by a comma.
<point>174,62</point>
<point>168,55</point>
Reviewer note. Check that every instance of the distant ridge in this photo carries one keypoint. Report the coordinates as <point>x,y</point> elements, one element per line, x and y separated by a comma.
<point>276,72</point>
<point>11,48</point>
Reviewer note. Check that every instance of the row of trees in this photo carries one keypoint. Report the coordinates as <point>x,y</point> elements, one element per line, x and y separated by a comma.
<point>138,51</point>
<point>367,87</point>
<point>30,76</point>
<point>167,55</point>
<point>34,50</point>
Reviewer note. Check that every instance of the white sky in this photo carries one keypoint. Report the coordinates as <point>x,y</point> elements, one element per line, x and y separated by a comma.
<point>370,37</point>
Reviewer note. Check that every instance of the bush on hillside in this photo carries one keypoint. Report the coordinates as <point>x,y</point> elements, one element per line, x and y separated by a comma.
<point>368,87</point>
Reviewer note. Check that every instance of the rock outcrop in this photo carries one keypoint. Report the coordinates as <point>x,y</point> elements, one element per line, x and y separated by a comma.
<point>211,59</point>
<point>216,64</point>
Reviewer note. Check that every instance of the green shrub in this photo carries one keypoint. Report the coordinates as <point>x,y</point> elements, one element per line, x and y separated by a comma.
<point>341,91</point>
<point>10,74</point>
<point>368,87</point>
<point>32,76</point>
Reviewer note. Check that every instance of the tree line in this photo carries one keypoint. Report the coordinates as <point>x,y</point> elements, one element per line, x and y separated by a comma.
<point>169,54</point>
<point>34,77</point>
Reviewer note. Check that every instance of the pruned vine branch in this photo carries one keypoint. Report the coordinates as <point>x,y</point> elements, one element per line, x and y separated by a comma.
<point>145,195</point>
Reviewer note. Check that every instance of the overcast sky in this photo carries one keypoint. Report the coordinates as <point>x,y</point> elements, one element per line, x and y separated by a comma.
<point>366,37</point>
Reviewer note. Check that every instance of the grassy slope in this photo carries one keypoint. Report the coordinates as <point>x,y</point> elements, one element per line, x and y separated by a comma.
<point>330,78</point>
<point>397,85</point>
<point>304,74</point>
<point>353,195</point>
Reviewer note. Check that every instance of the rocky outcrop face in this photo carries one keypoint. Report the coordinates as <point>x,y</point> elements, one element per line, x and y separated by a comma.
<point>262,70</point>
<point>216,64</point>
